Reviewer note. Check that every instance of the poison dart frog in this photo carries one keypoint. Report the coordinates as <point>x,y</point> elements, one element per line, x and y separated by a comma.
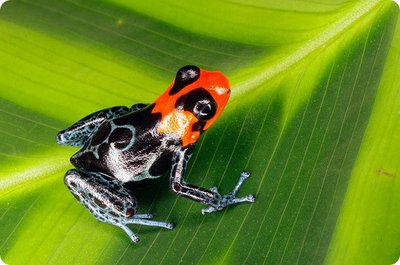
<point>121,145</point>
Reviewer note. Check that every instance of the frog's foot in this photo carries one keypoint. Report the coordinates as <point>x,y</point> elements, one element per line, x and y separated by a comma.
<point>141,219</point>
<point>108,201</point>
<point>230,198</point>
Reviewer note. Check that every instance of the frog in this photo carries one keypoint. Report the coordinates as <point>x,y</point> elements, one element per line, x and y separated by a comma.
<point>124,145</point>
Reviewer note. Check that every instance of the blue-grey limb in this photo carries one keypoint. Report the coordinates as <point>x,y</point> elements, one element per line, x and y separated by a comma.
<point>211,197</point>
<point>109,201</point>
<point>77,134</point>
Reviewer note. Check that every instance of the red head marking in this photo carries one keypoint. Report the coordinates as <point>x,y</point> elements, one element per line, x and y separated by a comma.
<point>192,103</point>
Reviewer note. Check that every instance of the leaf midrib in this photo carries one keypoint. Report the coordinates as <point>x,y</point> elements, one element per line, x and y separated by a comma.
<point>314,45</point>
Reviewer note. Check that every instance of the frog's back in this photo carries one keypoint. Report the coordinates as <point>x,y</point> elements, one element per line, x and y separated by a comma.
<point>128,148</point>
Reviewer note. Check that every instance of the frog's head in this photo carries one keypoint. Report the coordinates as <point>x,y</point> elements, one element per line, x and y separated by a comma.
<point>193,102</point>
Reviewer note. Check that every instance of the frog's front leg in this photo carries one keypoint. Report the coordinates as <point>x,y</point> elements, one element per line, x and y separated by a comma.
<point>211,197</point>
<point>79,133</point>
<point>108,201</point>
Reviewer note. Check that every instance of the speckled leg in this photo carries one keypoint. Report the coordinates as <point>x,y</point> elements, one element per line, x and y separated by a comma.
<point>79,133</point>
<point>108,201</point>
<point>211,197</point>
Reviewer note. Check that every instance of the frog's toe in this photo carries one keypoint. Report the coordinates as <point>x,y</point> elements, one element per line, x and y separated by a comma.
<point>248,198</point>
<point>243,177</point>
<point>252,197</point>
<point>129,232</point>
<point>170,226</point>
<point>147,222</point>
<point>143,216</point>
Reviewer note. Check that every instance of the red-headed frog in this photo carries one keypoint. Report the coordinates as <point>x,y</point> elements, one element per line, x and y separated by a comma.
<point>121,146</point>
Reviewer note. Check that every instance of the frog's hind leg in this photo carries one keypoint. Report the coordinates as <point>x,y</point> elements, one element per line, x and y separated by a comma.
<point>79,133</point>
<point>108,200</point>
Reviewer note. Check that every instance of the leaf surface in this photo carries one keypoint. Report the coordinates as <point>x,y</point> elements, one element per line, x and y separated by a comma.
<point>314,116</point>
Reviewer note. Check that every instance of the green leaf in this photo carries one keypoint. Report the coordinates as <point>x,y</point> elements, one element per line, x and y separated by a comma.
<point>314,116</point>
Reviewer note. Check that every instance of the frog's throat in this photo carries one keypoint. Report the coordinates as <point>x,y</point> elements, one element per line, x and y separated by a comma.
<point>179,122</point>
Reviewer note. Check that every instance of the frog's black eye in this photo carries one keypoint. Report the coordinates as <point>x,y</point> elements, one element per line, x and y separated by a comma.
<point>185,76</point>
<point>199,102</point>
<point>204,109</point>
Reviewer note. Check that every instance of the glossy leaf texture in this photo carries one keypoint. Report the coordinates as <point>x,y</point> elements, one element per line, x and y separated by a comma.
<point>314,116</point>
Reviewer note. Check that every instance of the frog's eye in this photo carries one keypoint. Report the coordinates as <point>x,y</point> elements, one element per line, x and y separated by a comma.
<point>199,102</point>
<point>185,76</point>
<point>204,109</point>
